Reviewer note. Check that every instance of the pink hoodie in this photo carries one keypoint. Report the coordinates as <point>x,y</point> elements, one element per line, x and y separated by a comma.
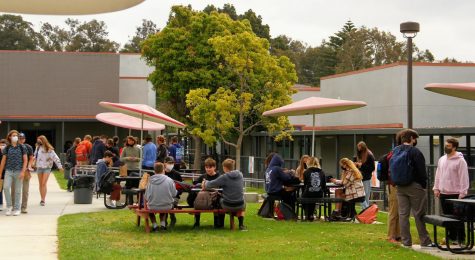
<point>451,176</point>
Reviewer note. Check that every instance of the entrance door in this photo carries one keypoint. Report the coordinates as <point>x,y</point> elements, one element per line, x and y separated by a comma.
<point>31,136</point>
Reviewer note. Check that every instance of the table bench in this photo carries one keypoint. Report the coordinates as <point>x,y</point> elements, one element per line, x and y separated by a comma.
<point>144,213</point>
<point>446,222</point>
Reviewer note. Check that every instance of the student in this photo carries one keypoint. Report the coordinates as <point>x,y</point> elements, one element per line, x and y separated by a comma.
<point>365,163</point>
<point>174,175</point>
<point>98,149</point>
<point>149,154</point>
<point>314,185</point>
<point>160,195</point>
<point>14,161</point>
<point>3,144</point>
<point>275,179</point>
<point>26,179</point>
<point>44,157</point>
<point>176,151</point>
<point>351,179</point>
<point>232,183</point>
<point>83,151</point>
<point>71,159</point>
<point>101,170</point>
<point>131,157</point>
<point>302,167</point>
<point>162,150</point>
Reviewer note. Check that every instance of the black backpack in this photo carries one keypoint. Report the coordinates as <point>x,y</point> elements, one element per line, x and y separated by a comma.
<point>107,182</point>
<point>383,167</point>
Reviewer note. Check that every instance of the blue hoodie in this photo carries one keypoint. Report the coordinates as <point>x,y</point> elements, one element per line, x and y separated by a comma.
<point>275,176</point>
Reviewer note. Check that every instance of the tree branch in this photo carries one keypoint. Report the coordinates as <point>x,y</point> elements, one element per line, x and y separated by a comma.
<point>227,142</point>
<point>247,130</point>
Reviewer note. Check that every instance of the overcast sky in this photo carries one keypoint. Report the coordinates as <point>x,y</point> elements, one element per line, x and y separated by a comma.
<point>447,26</point>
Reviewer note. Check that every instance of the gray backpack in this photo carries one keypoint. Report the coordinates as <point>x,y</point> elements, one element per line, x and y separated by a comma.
<point>206,200</point>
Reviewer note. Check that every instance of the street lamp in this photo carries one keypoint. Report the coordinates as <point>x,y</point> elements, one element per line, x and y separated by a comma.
<point>409,30</point>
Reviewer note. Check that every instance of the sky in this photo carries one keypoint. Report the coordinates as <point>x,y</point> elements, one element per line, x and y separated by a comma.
<point>447,26</point>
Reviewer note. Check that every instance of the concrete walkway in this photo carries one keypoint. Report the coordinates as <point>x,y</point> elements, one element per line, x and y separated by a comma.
<point>34,235</point>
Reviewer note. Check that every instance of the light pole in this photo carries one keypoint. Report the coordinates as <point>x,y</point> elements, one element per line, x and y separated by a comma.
<point>409,30</point>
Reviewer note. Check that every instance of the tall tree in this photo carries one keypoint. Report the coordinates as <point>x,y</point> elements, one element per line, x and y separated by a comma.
<point>260,29</point>
<point>53,38</point>
<point>17,34</point>
<point>141,33</point>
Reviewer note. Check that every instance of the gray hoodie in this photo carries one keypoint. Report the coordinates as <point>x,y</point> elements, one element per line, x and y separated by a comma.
<point>160,192</point>
<point>232,184</point>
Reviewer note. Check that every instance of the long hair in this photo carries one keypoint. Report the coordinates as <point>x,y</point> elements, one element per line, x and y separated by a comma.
<point>313,162</point>
<point>350,164</point>
<point>362,155</point>
<point>46,145</point>
<point>268,159</point>
<point>301,167</point>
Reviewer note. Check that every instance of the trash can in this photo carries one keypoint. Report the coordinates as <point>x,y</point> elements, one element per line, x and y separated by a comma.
<point>83,186</point>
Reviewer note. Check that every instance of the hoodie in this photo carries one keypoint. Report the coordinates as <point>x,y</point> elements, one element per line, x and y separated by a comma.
<point>98,150</point>
<point>160,192</point>
<point>451,176</point>
<point>275,175</point>
<point>232,184</point>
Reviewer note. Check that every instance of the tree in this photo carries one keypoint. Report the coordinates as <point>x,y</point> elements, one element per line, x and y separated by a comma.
<point>141,33</point>
<point>53,38</point>
<point>17,34</point>
<point>261,82</point>
<point>260,29</point>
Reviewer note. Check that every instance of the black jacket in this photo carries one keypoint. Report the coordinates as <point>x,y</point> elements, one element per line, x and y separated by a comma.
<point>207,177</point>
<point>367,168</point>
<point>174,175</point>
<point>314,182</point>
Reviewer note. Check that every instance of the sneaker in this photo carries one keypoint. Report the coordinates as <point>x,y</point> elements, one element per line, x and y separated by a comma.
<point>16,213</point>
<point>242,228</point>
<point>8,212</point>
<point>163,228</point>
<point>24,211</point>
<point>155,229</point>
<point>42,203</point>
<point>113,203</point>
<point>429,245</point>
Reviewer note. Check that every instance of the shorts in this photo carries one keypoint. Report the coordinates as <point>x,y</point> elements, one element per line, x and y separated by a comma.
<point>43,170</point>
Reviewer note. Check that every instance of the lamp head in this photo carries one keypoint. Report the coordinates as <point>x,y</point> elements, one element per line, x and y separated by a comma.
<point>409,29</point>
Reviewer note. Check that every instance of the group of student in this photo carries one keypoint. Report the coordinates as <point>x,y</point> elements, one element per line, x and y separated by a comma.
<point>355,180</point>
<point>18,161</point>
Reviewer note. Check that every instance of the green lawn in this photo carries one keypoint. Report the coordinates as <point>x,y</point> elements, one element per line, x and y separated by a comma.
<point>63,183</point>
<point>113,235</point>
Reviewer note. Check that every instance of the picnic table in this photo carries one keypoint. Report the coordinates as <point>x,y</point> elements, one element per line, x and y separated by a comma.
<point>468,218</point>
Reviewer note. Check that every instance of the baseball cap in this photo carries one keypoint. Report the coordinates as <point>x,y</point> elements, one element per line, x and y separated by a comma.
<point>169,159</point>
<point>21,135</point>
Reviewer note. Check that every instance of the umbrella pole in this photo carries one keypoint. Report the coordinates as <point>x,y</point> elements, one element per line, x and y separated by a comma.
<point>313,136</point>
<point>130,131</point>
<point>141,148</point>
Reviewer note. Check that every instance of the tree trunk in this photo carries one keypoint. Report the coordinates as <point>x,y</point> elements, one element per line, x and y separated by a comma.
<point>197,161</point>
<point>238,157</point>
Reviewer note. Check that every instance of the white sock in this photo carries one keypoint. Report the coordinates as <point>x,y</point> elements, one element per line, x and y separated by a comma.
<point>155,225</point>
<point>162,223</point>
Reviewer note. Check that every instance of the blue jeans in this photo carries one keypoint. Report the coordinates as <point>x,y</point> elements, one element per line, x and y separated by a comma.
<point>12,177</point>
<point>367,192</point>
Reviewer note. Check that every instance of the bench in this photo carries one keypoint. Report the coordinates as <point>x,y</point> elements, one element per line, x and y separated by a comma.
<point>324,202</point>
<point>442,221</point>
<point>144,213</point>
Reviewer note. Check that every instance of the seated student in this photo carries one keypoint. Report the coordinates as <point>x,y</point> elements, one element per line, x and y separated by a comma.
<point>232,183</point>
<point>351,179</point>
<point>160,194</point>
<point>176,176</point>
<point>209,175</point>
<point>102,168</point>
<point>277,178</point>
<point>314,185</point>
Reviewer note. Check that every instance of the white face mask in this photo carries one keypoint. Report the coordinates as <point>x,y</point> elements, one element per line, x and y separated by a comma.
<point>169,167</point>
<point>14,139</point>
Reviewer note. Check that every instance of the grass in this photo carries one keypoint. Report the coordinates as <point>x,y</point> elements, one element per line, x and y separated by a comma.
<point>63,183</point>
<point>114,235</point>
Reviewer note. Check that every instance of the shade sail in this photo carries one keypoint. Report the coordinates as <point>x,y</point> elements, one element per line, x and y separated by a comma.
<point>460,90</point>
<point>314,105</point>
<point>142,111</point>
<point>130,122</point>
<point>65,7</point>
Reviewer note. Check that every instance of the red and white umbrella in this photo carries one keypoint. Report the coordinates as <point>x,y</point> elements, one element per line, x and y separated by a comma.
<point>460,90</point>
<point>313,106</point>
<point>65,7</point>
<point>130,122</point>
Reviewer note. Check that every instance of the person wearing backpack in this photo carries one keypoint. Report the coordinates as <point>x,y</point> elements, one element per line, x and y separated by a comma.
<point>276,177</point>
<point>83,151</point>
<point>44,157</point>
<point>365,163</point>
<point>14,161</point>
<point>176,151</point>
<point>314,185</point>
<point>232,183</point>
<point>98,149</point>
<point>26,179</point>
<point>162,151</point>
<point>451,182</point>
<point>102,168</point>
<point>408,173</point>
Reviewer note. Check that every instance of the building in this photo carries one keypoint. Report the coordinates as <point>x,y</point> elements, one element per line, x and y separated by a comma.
<point>56,94</point>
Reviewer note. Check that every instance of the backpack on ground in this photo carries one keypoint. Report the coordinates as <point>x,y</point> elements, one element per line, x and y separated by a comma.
<point>400,166</point>
<point>106,182</point>
<point>368,215</point>
<point>206,200</point>
<point>382,172</point>
<point>81,152</point>
<point>265,210</point>
<point>284,212</point>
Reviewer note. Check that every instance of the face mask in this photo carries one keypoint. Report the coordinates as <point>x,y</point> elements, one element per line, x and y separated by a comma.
<point>447,150</point>
<point>14,139</point>
<point>39,143</point>
<point>2,146</point>
<point>169,167</point>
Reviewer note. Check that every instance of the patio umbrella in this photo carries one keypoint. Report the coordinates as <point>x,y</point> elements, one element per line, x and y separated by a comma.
<point>143,112</point>
<point>460,90</point>
<point>126,121</point>
<point>65,7</point>
<point>313,106</point>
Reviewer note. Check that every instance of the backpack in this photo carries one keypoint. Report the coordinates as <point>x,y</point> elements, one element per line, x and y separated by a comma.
<point>400,166</point>
<point>382,172</point>
<point>179,154</point>
<point>81,152</point>
<point>206,200</point>
<point>106,182</point>
<point>368,215</point>
<point>265,210</point>
<point>284,212</point>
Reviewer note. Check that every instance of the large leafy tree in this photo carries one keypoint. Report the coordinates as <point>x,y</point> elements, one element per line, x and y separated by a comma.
<point>261,82</point>
<point>141,33</point>
<point>17,34</point>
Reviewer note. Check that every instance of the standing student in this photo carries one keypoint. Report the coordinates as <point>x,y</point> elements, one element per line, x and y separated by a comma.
<point>71,159</point>
<point>26,179</point>
<point>177,152</point>
<point>365,163</point>
<point>162,150</point>
<point>451,182</point>
<point>83,151</point>
<point>14,161</point>
<point>45,156</point>
<point>3,144</point>
<point>149,154</point>
<point>131,157</point>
